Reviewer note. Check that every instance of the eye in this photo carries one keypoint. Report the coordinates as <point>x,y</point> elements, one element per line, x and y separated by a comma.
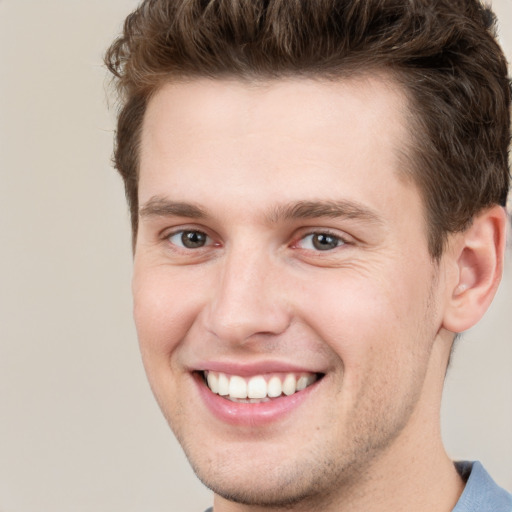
<point>320,242</point>
<point>189,239</point>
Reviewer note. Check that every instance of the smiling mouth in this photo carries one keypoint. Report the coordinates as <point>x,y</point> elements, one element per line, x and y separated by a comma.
<point>258,388</point>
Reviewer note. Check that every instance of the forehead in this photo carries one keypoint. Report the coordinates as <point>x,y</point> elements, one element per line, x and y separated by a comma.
<point>295,107</point>
<point>274,139</point>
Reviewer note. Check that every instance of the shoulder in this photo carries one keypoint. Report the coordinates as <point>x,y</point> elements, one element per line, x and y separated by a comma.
<point>481,493</point>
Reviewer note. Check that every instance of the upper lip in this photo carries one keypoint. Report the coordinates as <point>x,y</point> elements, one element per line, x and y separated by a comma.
<point>257,368</point>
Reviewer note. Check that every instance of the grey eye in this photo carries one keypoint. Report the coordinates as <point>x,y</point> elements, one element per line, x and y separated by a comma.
<point>321,242</point>
<point>189,239</point>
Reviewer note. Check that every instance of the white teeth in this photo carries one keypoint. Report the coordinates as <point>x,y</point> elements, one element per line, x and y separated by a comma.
<point>213,382</point>
<point>302,383</point>
<point>289,384</point>
<point>223,384</point>
<point>257,388</point>
<point>274,387</point>
<point>237,387</point>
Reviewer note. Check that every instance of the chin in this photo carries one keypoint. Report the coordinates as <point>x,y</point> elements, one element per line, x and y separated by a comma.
<point>272,479</point>
<point>275,489</point>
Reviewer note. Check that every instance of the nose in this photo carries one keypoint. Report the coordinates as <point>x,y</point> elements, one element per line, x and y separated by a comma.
<point>248,301</point>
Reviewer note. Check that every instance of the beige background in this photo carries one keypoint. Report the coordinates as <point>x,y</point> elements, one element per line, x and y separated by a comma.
<point>79,430</point>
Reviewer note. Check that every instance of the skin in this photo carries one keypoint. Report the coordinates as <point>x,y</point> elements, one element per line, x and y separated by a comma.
<point>373,314</point>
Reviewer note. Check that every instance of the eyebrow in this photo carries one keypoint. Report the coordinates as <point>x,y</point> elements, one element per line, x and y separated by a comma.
<point>159,206</point>
<point>162,207</point>
<point>331,209</point>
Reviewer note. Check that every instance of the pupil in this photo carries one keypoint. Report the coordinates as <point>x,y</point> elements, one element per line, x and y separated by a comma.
<point>324,242</point>
<point>193,239</point>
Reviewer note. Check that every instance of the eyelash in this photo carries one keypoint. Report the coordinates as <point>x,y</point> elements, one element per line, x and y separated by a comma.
<point>339,240</point>
<point>182,233</point>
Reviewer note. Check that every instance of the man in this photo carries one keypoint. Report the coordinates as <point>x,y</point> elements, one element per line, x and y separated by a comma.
<point>317,193</point>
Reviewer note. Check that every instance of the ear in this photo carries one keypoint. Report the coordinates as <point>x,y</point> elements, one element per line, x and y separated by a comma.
<point>477,256</point>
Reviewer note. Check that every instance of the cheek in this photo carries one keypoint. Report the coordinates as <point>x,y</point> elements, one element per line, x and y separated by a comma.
<point>164,308</point>
<point>371,319</point>
<point>382,346</point>
<point>347,307</point>
<point>163,311</point>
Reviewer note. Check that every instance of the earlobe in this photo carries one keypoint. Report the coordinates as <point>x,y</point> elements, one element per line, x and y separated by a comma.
<point>478,255</point>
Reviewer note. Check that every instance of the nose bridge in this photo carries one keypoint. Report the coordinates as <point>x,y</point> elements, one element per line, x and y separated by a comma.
<point>247,300</point>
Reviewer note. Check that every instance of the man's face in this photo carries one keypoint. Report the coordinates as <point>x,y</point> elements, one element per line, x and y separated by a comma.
<point>279,247</point>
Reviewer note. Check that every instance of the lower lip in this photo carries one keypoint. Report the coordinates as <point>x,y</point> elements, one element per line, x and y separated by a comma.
<point>255,414</point>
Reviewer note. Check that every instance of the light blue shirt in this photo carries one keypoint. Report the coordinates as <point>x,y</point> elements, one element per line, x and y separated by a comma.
<point>481,493</point>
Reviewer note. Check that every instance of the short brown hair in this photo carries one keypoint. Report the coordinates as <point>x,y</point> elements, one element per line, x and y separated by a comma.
<point>443,52</point>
